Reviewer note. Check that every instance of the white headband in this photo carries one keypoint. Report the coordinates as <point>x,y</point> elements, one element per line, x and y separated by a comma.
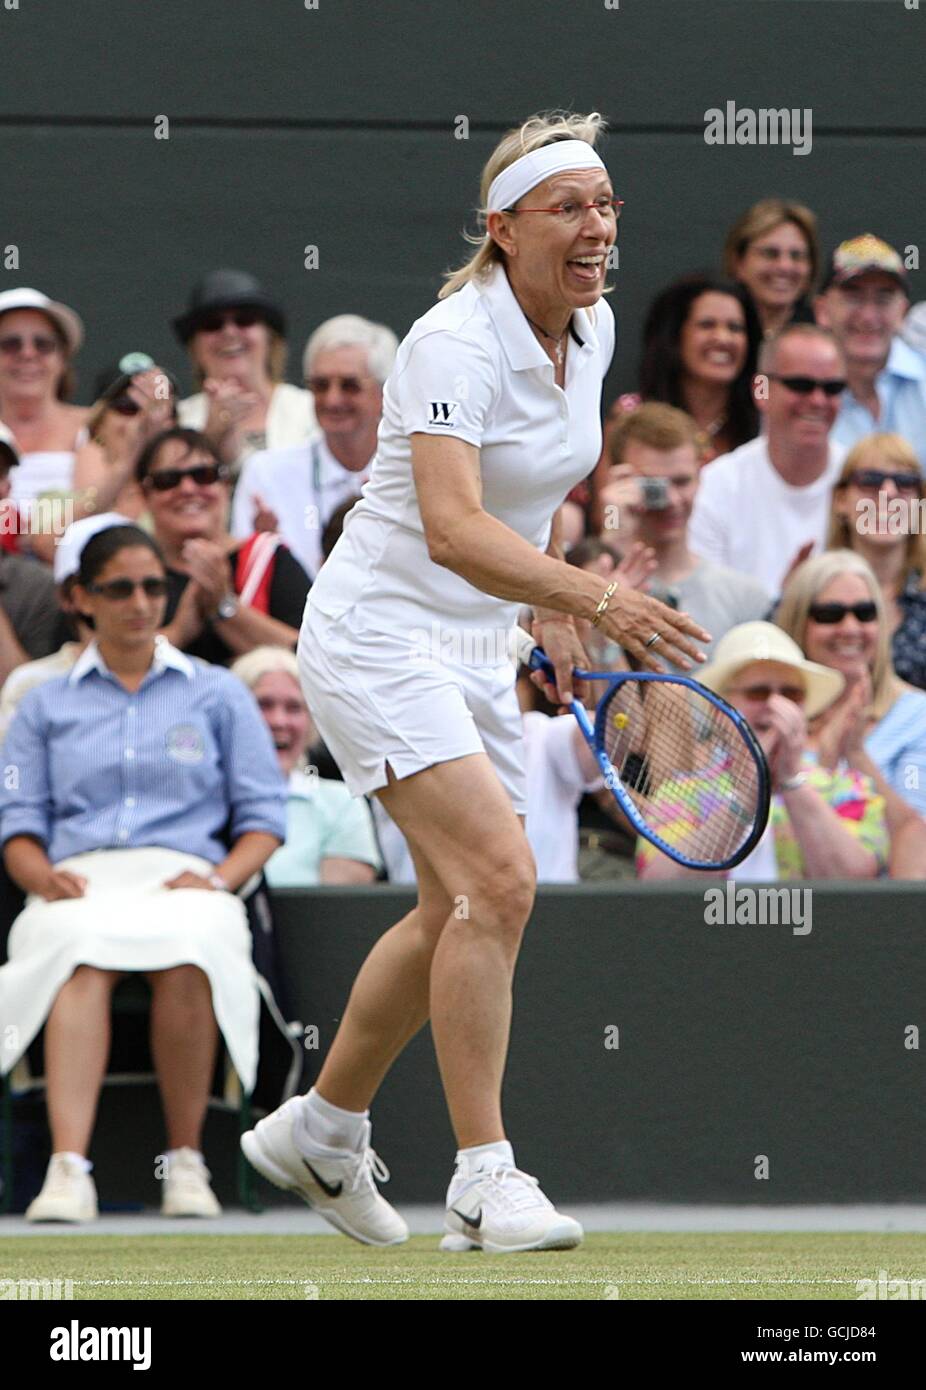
<point>525,173</point>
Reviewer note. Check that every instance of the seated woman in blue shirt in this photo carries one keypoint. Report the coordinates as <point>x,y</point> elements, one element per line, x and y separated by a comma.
<point>140,792</point>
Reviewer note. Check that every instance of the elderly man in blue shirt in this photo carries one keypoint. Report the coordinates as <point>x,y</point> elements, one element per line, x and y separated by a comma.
<point>141,790</point>
<point>864,302</point>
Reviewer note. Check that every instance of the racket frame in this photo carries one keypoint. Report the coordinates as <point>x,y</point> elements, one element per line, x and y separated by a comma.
<point>594,737</point>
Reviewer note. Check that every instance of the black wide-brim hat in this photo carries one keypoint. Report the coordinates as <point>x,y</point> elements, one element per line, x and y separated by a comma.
<point>227,289</point>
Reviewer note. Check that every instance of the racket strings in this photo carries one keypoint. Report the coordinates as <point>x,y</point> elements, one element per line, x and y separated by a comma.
<point>685,766</point>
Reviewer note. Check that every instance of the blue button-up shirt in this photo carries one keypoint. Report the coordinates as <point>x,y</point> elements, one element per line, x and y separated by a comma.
<point>901,389</point>
<point>179,763</point>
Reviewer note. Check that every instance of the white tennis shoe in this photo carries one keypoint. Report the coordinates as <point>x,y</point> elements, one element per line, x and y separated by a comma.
<point>186,1186</point>
<point>337,1183</point>
<point>502,1210</point>
<point>68,1193</point>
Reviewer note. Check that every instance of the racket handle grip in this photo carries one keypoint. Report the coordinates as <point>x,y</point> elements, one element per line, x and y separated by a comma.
<point>529,653</point>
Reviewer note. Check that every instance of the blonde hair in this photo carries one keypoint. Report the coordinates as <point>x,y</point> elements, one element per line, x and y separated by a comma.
<point>656,425</point>
<point>764,217</point>
<point>265,661</point>
<point>878,451</point>
<point>793,611</point>
<point>543,129</point>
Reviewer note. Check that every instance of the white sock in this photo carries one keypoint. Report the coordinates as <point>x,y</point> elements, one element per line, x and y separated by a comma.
<point>482,1156</point>
<point>83,1163</point>
<point>328,1124</point>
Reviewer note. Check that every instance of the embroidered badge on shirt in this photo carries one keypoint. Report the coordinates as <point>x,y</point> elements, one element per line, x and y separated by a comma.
<point>185,743</point>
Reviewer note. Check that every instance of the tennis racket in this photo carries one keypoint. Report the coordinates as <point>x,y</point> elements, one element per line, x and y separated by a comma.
<point>682,764</point>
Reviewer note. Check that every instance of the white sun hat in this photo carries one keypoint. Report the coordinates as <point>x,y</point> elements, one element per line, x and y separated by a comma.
<point>70,324</point>
<point>748,643</point>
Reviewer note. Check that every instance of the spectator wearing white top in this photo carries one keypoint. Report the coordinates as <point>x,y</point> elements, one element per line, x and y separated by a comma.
<point>655,476</point>
<point>38,341</point>
<point>295,491</point>
<point>765,507</point>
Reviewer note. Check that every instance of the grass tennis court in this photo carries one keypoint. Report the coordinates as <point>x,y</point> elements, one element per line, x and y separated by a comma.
<point>689,1265</point>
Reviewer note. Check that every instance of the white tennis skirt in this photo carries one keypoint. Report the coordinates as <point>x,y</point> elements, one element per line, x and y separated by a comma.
<point>376,700</point>
<point>127,920</point>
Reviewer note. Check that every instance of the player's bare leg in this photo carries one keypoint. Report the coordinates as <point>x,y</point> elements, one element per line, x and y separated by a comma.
<point>472,856</point>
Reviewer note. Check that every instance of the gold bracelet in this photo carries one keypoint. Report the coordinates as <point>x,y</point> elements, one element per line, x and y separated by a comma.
<point>603,605</point>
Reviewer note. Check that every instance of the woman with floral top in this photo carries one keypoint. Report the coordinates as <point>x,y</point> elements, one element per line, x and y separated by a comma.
<point>825,821</point>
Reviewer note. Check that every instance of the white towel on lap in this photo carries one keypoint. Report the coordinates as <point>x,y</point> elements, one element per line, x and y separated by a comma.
<point>127,920</point>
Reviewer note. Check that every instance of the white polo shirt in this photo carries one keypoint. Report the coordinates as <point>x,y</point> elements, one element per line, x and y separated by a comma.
<point>304,485</point>
<point>469,369</point>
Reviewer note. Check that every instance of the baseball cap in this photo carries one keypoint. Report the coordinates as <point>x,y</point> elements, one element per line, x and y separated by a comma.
<point>69,323</point>
<point>70,547</point>
<point>862,254</point>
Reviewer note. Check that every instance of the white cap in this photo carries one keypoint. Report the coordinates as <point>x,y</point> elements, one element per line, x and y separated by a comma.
<point>70,547</point>
<point>67,321</point>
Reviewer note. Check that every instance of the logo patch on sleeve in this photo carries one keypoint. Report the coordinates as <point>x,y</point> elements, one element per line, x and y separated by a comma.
<point>443,413</point>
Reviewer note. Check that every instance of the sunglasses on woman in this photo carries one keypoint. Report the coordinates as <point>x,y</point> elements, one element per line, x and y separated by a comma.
<point>153,586</point>
<point>14,343</point>
<point>241,318</point>
<point>203,474</point>
<point>873,480</point>
<point>829,613</point>
<point>795,693</point>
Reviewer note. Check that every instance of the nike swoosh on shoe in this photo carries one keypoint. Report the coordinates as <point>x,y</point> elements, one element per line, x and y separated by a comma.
<point>333,1189</point>
<point>474,1221</point>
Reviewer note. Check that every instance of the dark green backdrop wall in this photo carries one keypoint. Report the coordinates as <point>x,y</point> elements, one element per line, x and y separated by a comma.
<point>334,127</point>
<point>733,1043</point>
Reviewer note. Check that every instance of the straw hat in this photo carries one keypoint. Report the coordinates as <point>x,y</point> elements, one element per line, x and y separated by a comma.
<point>750,642</point>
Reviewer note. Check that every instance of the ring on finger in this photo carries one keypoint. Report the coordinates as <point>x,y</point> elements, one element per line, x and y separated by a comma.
<point>651,641</point>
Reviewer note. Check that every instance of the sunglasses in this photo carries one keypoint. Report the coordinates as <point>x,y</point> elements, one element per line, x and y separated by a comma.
<point>795,693</point>
<point>153,586</point>
<point>830,613</point>
<point>350,385</point>
<point>806,385</point>
<point>873,480</point>
<point>14,344</point>
<point>241,318</point>
<point>124,405</point>
<point>203,474</point>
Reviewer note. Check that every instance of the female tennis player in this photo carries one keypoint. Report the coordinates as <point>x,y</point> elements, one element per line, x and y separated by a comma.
<point>490,416</point>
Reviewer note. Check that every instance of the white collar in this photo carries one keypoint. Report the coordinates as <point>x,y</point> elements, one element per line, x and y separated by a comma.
<point>331,470</point>
<point>521,347</point>
<point>165,655</point>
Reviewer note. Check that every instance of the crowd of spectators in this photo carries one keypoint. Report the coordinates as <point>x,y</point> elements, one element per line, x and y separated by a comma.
<point>764,473</point>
